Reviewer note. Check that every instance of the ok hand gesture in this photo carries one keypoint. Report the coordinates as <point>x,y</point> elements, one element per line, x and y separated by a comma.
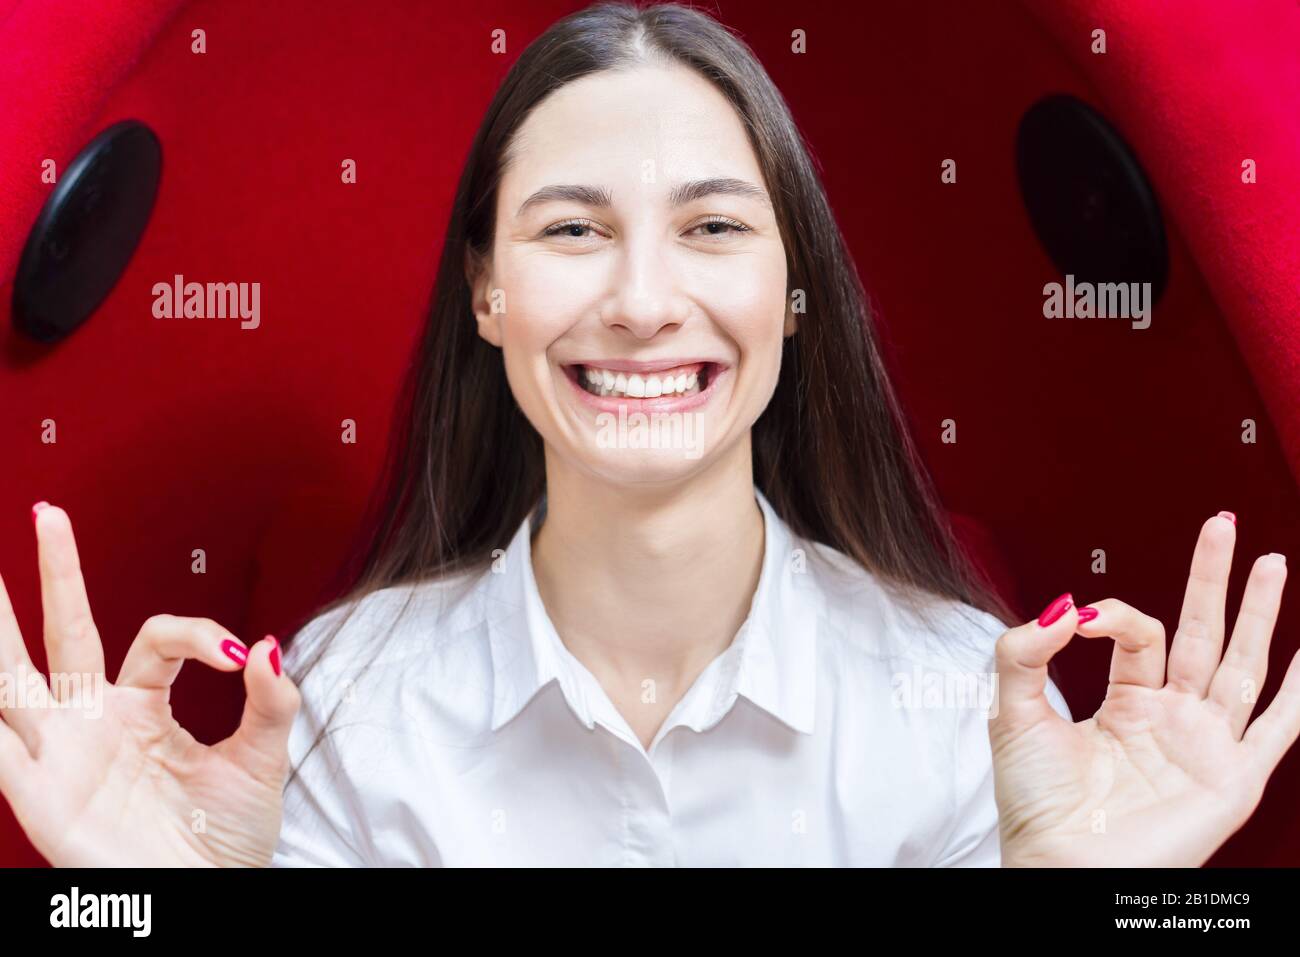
<point>1170,766</point>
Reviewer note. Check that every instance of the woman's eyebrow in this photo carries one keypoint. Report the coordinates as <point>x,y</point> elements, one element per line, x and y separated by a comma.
<point>680,195</point>
<point>699,188</point>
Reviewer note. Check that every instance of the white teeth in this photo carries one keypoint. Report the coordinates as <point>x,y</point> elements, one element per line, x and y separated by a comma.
<point>608,383</point>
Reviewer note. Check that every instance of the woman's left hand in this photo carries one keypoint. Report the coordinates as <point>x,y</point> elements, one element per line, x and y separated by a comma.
<point>1168,768</point>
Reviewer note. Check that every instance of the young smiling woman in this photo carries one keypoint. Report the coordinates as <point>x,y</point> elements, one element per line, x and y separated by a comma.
<point>566,650</point>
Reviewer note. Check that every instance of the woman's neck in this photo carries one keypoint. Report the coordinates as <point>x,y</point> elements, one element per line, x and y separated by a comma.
<point>649,582</point>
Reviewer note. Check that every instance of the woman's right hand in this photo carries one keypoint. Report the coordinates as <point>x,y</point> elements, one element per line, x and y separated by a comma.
<point>108,777</point>
<point>1171,765</point>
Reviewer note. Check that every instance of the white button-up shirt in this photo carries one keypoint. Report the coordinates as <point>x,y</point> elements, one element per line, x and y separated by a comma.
<point>838,728</point>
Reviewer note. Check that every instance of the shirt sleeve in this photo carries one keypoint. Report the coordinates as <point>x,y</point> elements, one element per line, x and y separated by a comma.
<point>322,813</point>
<point>316,829</point>
<point>975,840</point>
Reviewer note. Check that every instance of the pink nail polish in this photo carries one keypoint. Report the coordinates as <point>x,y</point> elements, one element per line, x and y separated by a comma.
<point>1229,516</point>
<point>275,655</point>
<point>1056,609</point>
<point>1087,614</point>
<point>37,507</point>
<point>235,652</point>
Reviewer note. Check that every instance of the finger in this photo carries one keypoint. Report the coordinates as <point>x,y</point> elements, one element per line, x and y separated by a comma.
<point>13,650</point>
<point>1139,657</point>
<point>17,670</point>
<point>1241,675</point>
<point>72,643</point>
<point>1022,655</point>
<point>1271,735</point>
<point>17,768</point>
<point>1198,642</point>
<point>262,738</point>
<point>159,651</point>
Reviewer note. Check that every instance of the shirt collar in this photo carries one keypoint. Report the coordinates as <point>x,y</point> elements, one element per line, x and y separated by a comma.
<point>771,661</point>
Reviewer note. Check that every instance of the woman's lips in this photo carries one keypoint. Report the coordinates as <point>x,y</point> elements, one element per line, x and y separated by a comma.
<point>681,386</point>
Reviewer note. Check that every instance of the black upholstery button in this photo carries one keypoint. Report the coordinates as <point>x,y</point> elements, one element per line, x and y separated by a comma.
<point>1087,197</point>
<point>87,231</point>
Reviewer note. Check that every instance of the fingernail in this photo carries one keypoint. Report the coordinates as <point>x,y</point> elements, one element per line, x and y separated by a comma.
<point>1279,556</point>
<point>1229,516</point>
<point>235,652</point>
<point>37,507</point>
<point>1056,609</point>
<point>1087,613</point>
<point>275,654</point>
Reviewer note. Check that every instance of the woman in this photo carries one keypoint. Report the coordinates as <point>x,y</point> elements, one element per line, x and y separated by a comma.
<point>658,578</point>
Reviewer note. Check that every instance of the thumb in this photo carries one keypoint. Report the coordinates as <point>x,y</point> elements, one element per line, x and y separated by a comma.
<point>1022,656</point>
<point>271,703</point>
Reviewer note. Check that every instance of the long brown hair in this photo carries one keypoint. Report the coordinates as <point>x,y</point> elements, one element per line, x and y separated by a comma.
<point>831,451</point>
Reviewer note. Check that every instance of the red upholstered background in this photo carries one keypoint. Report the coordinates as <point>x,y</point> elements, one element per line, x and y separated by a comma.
<point>1073,436</point>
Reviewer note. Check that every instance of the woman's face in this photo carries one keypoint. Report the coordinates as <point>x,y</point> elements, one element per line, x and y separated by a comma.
<point>637,281</point>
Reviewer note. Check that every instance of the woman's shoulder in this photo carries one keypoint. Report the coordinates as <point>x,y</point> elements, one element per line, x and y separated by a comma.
<point>908,626</point>
<point>388,624</point>
<point>408,658</point>
<point>891,620</point>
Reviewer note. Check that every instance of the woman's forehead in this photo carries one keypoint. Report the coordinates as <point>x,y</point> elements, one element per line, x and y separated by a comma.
<point>646,126</point>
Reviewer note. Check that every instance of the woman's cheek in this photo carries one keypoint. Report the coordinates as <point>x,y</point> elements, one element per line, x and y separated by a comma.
<point>541,299</point>
<point>526,337</point>
<point>756,325</point>
<point>540,307</point>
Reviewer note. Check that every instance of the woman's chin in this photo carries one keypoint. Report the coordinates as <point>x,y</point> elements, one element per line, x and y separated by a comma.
<point>644,466</point>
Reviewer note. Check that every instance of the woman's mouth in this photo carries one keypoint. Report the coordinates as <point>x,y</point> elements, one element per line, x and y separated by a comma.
<point>649,386</point>
<point>679,380</point>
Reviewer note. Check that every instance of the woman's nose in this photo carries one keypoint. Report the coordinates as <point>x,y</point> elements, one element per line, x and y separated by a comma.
<point>647,296</point>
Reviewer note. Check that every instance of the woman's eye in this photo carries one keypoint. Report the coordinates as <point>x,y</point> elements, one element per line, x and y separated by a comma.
<point>580,228</point>
<point>720,227</point>
<point>573,229</point>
